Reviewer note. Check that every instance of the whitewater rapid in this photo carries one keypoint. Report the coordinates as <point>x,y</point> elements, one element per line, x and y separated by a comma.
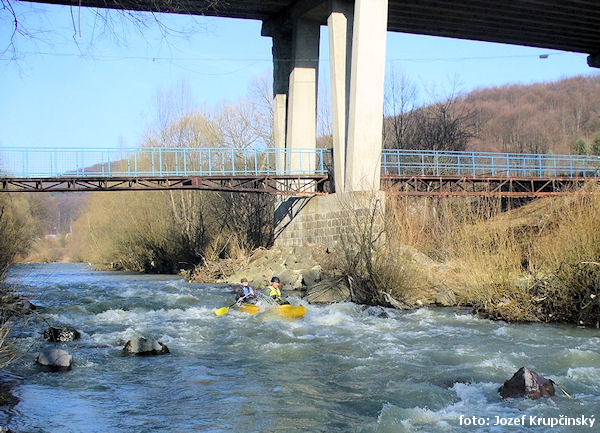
<point>338,369</point>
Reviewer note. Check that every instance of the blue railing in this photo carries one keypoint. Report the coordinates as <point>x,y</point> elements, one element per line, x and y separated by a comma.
<point>160,162</point>
<point>187,161</point>
<point>452,163</point>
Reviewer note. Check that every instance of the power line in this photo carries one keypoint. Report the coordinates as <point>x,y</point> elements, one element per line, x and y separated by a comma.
<point>239,59</point>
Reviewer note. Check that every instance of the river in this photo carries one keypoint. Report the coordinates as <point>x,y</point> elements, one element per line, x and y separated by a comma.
<point>338,369</point>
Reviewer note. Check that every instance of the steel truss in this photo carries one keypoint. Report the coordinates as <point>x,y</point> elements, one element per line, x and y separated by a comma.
<point>465,186</point>
<point>272,184</point>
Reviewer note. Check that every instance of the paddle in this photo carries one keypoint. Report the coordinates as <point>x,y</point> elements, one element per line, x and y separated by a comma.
<point>224,310</point>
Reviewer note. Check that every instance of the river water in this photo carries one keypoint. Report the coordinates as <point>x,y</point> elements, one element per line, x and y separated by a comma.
<point>338,369</point>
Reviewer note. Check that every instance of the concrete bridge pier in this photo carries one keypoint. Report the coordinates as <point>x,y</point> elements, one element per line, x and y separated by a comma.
<point>282,54</point>
<point>357,41</point>
<point>302,105</point>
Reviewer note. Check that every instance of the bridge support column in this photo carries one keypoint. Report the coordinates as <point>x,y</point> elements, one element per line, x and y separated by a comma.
<point>282,65</point>
<point>365,116</point>
<point>340,23</point>
<point>302,104</point>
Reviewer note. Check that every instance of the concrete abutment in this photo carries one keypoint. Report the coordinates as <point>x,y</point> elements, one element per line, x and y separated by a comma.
<point>325,219</point>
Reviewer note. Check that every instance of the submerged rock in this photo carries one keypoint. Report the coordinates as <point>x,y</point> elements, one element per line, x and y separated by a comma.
<point>377,312</point>
<point>526,383</point>
<point>61,334</point>
<point>144,347</point>
<point>52,359</point>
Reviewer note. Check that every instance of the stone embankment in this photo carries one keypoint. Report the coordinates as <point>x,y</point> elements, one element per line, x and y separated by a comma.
<point>313,273</point>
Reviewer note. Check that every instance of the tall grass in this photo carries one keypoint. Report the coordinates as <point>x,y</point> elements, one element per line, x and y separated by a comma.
<point>17,229</point>
<point>379,269</point>
<point>167,231</point>
<point>539,262</point>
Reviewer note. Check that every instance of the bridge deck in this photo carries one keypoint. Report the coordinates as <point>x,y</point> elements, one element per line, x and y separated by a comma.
<point>407,172</point>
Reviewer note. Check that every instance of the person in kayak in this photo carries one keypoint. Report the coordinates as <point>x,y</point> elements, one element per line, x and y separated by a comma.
<point>248,296</point>
<point>274,292</point>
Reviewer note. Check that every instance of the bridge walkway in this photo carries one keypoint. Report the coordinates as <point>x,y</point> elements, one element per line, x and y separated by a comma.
<point>406,172</point>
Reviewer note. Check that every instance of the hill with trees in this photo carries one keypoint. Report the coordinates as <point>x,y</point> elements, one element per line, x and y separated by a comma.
<point>556,117</point>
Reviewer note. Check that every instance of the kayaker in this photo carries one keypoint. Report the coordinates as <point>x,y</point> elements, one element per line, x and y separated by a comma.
<point>248,296</point>
<point>274,292</point>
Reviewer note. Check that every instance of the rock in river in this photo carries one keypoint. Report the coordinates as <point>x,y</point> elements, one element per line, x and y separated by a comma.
<point>377,311</point>
<point>51,359</point>
<point>61,334</point>
<point>143,346</point>
<point>527,383</point>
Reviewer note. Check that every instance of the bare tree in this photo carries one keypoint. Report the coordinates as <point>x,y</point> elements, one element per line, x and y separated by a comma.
<point>448,124</point>
<point>115,21</point>
<point>400,101</point>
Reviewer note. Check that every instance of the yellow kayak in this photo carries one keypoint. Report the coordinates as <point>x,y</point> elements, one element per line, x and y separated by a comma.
<point>249,308</point>
<point>291,311</point>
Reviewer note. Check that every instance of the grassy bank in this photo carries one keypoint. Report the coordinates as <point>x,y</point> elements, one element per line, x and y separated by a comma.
<point>538,262</point>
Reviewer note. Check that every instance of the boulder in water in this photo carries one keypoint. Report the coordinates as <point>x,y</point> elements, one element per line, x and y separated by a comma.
<point>144,347</point>
<point>52,359</point>
<point>526,383</point>
<point>377,312</point>
<point>61,334</point>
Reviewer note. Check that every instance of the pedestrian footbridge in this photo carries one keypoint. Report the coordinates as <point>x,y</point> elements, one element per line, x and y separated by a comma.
<point>285,171</point>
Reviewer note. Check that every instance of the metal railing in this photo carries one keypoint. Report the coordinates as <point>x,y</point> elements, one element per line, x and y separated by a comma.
<point>160,162</point>
<point>188,161</point>
<point>401,162</point>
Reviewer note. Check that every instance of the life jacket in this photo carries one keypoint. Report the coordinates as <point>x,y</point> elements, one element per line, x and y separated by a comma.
<point>274,293</point>
<point>247,291</point>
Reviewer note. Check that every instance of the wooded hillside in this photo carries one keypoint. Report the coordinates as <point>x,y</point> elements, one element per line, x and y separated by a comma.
<point>536,118</point>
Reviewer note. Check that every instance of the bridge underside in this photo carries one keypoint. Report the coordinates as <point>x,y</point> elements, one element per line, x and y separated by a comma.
<point>281,185</point>
<point>569,25</point>
<point>418,186</point>
<point>466,186</point>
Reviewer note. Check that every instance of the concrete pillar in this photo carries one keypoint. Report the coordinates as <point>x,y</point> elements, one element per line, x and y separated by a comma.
<point>365,119</point>
<point>302,104</point>
<point>340,24</point>
<point>282,65</point>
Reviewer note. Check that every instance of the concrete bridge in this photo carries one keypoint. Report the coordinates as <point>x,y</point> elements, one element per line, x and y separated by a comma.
<point>357,32</point>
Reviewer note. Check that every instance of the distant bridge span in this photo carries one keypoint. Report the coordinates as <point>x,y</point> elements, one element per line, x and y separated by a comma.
<point>405,172</point>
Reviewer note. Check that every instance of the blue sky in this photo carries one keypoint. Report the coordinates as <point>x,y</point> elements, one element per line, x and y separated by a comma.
<point>75,85</point>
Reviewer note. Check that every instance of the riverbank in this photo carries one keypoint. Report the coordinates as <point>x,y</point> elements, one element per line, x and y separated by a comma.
<point>535,263</point>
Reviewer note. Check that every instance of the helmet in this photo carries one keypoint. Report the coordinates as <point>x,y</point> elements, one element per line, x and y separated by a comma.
<point>244,280</point>
<point>275,280</point>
